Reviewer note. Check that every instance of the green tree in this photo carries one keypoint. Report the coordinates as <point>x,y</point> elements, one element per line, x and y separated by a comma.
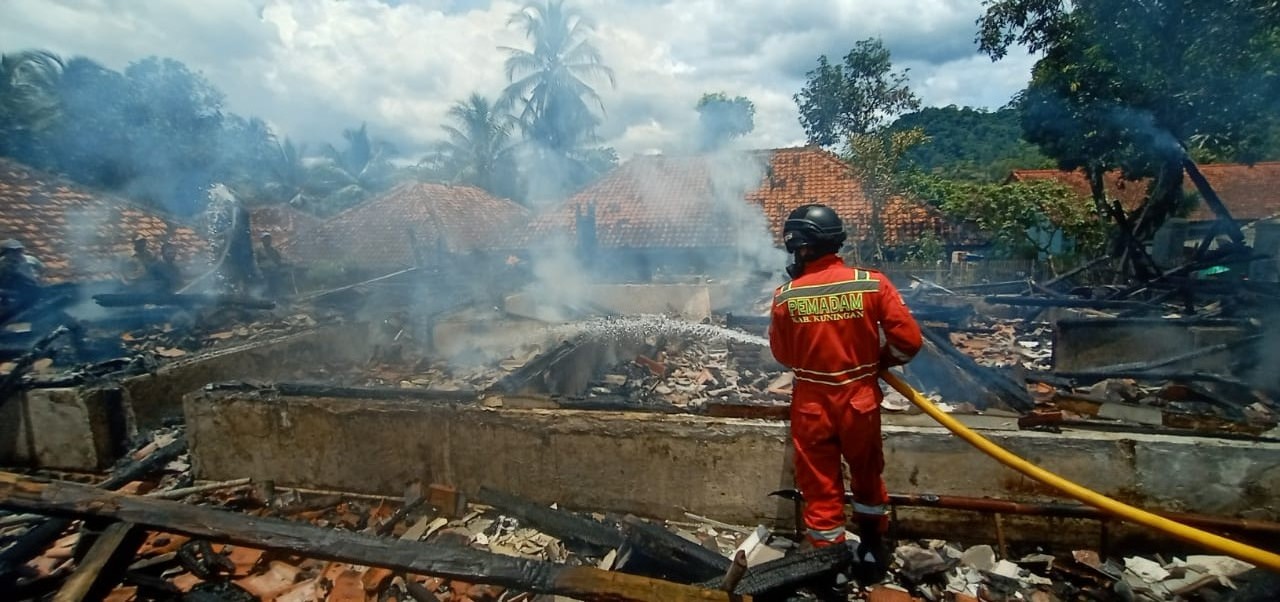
<point>553,100</point>
<point>290,176</point>
<point>91,140</point>
<point>1128,85</point>
<point>721,119</point>
<point>29,101</point>
<point>548,85</point>
<point>971,144</point>
<point>856,97</point>
<point>362,167</point>
<point>1023,219</point>
<point>172,119</point>
<point>477,151</point>
<point>877,159</point>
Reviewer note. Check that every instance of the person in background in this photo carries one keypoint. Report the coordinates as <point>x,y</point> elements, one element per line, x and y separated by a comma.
<point>19,275</point>
<point>165,273</point>
<point>274,270</point>
<point>138,267</point>
<point>836,327</point>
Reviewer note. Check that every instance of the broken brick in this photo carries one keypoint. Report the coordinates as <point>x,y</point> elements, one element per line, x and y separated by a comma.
<point>347,588</point>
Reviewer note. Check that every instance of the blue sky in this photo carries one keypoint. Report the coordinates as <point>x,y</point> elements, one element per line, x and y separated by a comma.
<point>314,67</point>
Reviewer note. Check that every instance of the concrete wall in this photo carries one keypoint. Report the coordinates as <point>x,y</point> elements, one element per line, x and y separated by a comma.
<point>664,465</point>
<point>158,396</point>
<point>63,428</point>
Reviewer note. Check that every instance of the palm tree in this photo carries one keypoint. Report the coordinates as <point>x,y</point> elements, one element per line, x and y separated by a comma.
<point>547,84</point>
<point>349,175</point>
<point>479,141</point>
<point>290,177</point>
<point>28,97</point>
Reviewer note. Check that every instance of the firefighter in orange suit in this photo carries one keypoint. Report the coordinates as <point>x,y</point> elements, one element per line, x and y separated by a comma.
<point>836,327</point>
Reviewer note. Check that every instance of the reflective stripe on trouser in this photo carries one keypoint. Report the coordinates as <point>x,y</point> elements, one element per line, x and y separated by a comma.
<point>820,437</point>
<point>823,538</point>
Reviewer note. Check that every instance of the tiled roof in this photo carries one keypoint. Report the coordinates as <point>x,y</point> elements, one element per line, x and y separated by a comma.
<point>77,233</point>
<point>1249,192</point>
<point>458,219</point>
<point>661,201</point>
<point>283,222</point>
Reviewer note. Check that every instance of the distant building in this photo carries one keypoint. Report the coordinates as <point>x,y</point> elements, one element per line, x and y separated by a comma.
<point>419,223</point>
<point>690,213</point>
<point>1250,192</point>
<point>81,234</point>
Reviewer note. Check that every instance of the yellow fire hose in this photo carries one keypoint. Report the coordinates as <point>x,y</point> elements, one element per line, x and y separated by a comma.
<point>1247,553</point>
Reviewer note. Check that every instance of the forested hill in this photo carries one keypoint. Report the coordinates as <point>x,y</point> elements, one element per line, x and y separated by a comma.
<point>970,144</point>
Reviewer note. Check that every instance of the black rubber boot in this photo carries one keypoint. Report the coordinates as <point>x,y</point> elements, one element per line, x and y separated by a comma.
<point>871,560</point>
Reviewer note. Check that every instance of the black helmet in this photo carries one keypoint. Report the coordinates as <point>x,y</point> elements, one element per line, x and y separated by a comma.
<point>813,226</point>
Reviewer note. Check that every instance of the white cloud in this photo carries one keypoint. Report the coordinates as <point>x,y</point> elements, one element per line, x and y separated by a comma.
<point>314,67</point>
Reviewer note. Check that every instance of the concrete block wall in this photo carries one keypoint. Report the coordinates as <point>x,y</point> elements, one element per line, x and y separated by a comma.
<point>64,428</point>
<point>660,465</point>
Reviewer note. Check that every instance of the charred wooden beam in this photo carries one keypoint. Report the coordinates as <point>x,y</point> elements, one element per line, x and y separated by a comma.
<point>1225,222</point>
<point>616,403</point>
<point>180,300</point>
<point>560,524</point>
<point>322,390</point>
<point>529,376</point>
<point>756,411</point>
<point>1072,272</point>
<point>1068,302</point>
<point>37,539</point>
<point>1006,389</point>
<point>79,501</point>
<point>105,564</point>
<point>654,550</point>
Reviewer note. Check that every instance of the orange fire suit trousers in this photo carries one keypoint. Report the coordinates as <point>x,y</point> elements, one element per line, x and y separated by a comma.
<point>822,432</point>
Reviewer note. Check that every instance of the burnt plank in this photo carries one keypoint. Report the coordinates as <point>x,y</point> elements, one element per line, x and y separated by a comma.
<point>105,564</point>
<point>557,523</point>
<point>474,566</point>
<point>180,300</point>
<point>40,537</point>
<point>655,551</point>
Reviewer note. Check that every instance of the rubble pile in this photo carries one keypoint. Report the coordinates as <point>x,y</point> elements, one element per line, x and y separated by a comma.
<point>1007,344</point>
<point>439,518</point>
<point>689,373</point>
<point>1203,408</point>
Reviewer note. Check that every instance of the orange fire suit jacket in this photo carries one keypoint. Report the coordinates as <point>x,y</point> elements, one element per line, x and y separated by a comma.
<point>836,326</point>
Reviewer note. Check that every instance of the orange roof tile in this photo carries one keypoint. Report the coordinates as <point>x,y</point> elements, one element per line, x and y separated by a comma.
<point>79,234</point>
<point>1249,192</point>
<point>661,201</point>
<point>458,219</point>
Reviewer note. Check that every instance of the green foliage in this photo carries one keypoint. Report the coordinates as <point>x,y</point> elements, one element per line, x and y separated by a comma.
<point>970,144</point>
<point>553,101</point>
<point>928,247</point>
<point>1126,84</point>
<point>856,97</point>
<point>28,98</point>
<point>877,159</point>
<point>547,84</point>
<point>353,173</point>
<point>721,119</point>
<point>1012,214</point>
<point>479,144</point>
